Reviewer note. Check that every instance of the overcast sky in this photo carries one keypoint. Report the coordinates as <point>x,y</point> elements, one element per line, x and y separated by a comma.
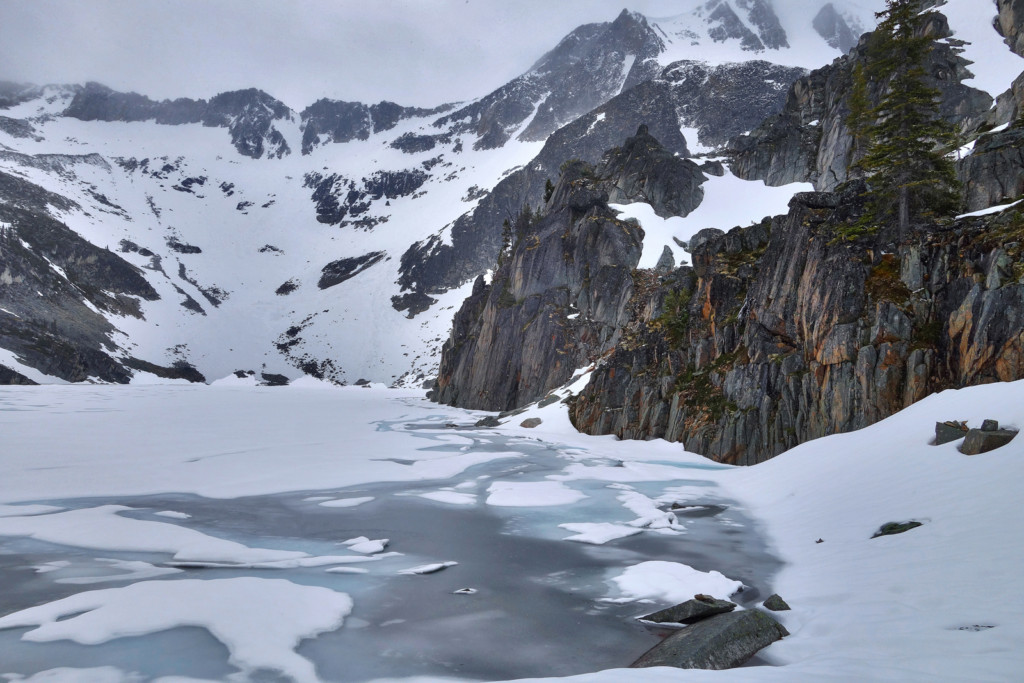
<point>415,52</point>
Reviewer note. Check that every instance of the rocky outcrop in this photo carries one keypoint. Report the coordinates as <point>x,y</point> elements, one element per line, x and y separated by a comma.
<point>835,29</point>
<point>338,198</point>
<point>725,24</point>
<point>994,172</point>
<point>589,66</point>
<point>557,299</point>
<point>804,326</point>
<point>644,171</point>
<point>334,121</point>
<point>809,141</point>
<point>1010,22</point>
<point>726,100</point>
<point>719,101</point>
<point>61,333</point>
<point>249,115</point>
<point>336,272</point>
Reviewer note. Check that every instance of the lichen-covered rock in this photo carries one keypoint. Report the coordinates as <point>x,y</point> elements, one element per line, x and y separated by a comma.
<point>722,641</point>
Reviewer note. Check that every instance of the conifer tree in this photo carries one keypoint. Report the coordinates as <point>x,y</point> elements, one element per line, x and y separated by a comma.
<point>909,174</point>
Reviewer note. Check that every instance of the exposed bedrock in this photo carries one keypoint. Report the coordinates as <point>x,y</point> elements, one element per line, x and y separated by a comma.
<point>558,298</point>
<point>795,328</point>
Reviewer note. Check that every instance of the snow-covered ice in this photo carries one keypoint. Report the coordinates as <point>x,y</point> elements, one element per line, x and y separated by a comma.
<point>912,607</point>
<point>672,582</point>
<point>260,621</point>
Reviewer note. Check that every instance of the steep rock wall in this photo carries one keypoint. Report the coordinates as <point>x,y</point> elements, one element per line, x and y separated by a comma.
<point>787,331</point>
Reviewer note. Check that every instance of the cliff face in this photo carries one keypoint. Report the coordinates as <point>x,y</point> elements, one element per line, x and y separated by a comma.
<point>809,140</point>
<point>559,299</point>
<point>786,331</point>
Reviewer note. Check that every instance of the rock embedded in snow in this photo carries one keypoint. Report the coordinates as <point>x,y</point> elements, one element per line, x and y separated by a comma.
<point>948,431</point>
<point>986,439</point>
<point>722,641</point>
<point>776,604</point>
<point>531,422</point>
<point>893,528</point>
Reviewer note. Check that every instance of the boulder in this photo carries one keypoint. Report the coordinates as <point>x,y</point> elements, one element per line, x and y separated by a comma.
<point>985,440</point>
<point>776,604</point>
<point>489,421</point>
<point>949,431</point>
<point>893,528</point>
<point>691,611</point>
<point>722,641</point>
<point>530,422</point>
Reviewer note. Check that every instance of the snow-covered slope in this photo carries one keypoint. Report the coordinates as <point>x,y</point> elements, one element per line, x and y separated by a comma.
<point>237,219</point>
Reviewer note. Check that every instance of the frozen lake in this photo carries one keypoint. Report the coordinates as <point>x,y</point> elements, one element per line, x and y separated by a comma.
<point>218,580</point>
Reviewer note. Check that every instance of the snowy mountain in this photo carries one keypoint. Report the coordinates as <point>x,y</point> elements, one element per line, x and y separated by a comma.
<point>337,241</point>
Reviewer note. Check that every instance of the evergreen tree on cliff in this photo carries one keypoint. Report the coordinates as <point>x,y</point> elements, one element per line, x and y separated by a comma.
<point>909,175</point>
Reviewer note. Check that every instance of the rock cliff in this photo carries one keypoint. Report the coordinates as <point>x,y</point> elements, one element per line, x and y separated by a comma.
<point>809,140</point>
<point>556,300</point>
<point>800,327</point>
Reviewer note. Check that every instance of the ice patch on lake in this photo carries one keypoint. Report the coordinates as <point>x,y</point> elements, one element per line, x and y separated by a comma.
<point>364,545</point>
<point>598,533</point>
<point>346,502</point>
<point>532,494</point>
<point>260,621</point>
<point>101,527</point>
<point>172,514</point>
<point>450,497</point>
<point>672,582</point>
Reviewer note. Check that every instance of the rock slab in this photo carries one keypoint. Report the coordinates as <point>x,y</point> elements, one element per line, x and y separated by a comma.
<point>690,612</point>
<point>722,641</point>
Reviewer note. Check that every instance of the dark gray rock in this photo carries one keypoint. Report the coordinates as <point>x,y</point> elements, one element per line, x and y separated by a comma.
<point>776,603</point>
<point>982,441</point>
<point>994,171</point>
<point>893,528</point>
<point>512,341</point>
<point>666,262</point>
<point>336,272</point>
<point>1010,22</point>
<point>338,198</point>
<point>834,28</point>
<point>720,102</point>
<point>13,377</point>
<point>641,170</point>
<point>489,421</point>
<point>335,121</point>
<point>946,432</point>
<point>809,140</point>
<point>989,425</point>
<point>249,115</point>
<point>586,69</point>
<point>271,379</point>
<point>746,354</point>
<point>722,641</point>
<point>690,612</point>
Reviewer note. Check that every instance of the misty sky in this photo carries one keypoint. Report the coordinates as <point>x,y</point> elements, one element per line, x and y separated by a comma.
<point>415,52</point>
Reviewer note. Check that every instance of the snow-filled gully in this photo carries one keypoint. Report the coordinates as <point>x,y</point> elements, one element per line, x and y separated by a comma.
<point>325,584</point>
